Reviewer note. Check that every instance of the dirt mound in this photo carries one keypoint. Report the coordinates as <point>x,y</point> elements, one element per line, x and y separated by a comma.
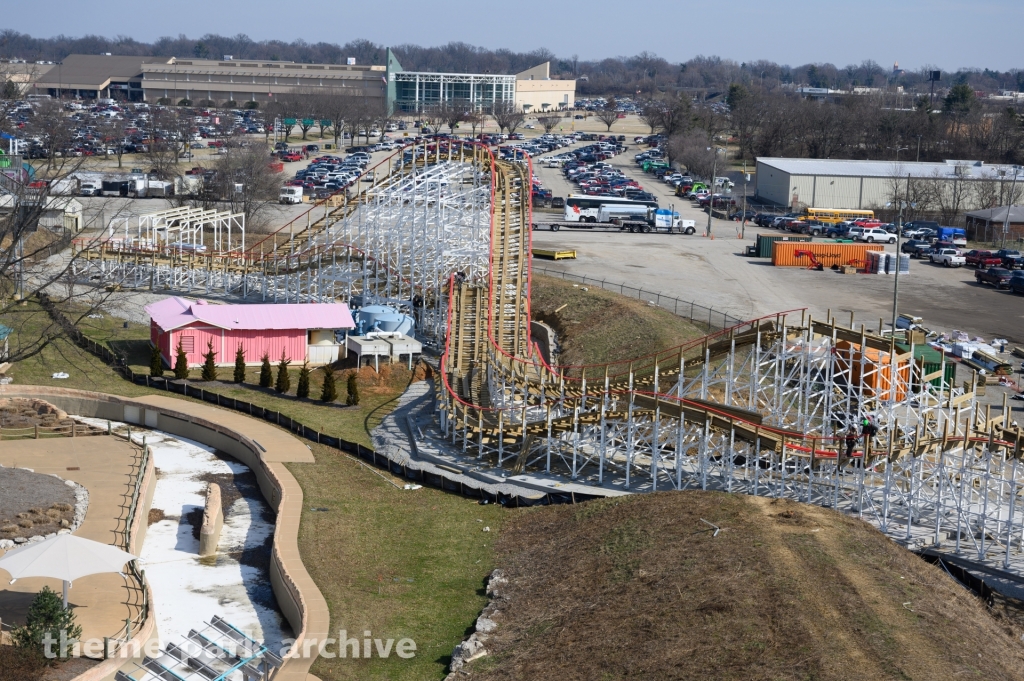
<point>639,587</point>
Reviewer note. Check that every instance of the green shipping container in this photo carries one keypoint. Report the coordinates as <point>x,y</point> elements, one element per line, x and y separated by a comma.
<point>763,247</point>
<point>930,360</point>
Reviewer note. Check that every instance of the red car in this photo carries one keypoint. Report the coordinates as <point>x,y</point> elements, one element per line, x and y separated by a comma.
<point>982,259</point>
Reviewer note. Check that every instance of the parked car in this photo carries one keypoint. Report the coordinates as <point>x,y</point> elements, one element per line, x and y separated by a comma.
<point>739,215</point>
<point>916,247</point>
<point>917,226</point>
<point>1011,259</point>
<point>996,276</point>
<point>838,231</point>
<point>1017,282</point>
<point>873,234</point>
<point>982,259</point>
<point>947,257</point>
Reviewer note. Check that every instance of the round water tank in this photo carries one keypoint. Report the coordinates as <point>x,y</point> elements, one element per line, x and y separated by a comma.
<point>389,322</point>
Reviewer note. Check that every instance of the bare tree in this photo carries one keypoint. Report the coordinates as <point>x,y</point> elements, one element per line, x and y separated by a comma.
<point>475,120</point>
<point>168,133</point>
<point>508,116</point>
<point>433,117</point>
<point>650,114</point>
<point>49,124</point>
<point>609,115</point>
<point>335,106</point>
<point>694,150</point>
<point>246,182</point>
<point>113,131</point>
<point>36,261</point>
<point>549,122</point>
<point>452,113</point>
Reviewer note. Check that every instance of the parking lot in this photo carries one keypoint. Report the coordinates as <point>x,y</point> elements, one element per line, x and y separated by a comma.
<point>714,272</point>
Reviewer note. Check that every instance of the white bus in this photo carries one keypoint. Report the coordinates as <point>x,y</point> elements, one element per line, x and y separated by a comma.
<point>586,208</point>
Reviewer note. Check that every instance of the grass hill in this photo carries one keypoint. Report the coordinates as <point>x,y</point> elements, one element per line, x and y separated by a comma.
<point>639,588</point>
<point>597,326</point>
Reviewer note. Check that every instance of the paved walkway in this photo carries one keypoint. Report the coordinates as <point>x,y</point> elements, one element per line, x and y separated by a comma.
<point>280,445</point>
<point>106,467</point>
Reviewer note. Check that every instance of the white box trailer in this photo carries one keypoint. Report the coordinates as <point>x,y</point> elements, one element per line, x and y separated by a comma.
<point>290,195</point>
<point>148,188</point>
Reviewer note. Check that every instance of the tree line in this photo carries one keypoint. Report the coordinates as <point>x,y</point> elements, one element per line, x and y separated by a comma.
<point>646,72</point>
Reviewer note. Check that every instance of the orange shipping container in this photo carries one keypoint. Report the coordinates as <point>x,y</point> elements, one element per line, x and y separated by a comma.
<point>873,369</point>
<point>828,254</point>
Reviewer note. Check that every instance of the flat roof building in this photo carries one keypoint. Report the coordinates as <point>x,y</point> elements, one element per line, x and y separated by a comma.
<point>246,80</point>
<point>536,91</point>
<point>23,74</point>
<point>825,183</point>
<point>173,79</point>
<point>95,76</point>
<point>533,89</point>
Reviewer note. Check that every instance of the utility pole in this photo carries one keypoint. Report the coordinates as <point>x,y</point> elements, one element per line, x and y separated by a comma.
<point>743,215</point>
<point>896,277</point>
<point>1009,205</point>
<point>711,197</point>
<point>919,148</point>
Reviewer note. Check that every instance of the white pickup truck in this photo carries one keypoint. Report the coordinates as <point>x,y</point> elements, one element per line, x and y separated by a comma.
<point>948,257</point>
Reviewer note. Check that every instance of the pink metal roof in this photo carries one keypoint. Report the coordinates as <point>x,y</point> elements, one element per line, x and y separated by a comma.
<point>175,312</point>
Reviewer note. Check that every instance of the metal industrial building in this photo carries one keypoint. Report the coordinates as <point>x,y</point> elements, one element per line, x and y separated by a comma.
<point>816,183</point>
<point>246,80</point>
<point>225,80</point>
<point>96,76</point>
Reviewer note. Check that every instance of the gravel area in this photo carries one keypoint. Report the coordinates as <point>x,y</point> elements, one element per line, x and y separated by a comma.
<point>34,504</point>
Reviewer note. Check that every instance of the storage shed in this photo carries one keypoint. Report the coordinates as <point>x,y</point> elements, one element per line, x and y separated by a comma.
<point>301,331</point>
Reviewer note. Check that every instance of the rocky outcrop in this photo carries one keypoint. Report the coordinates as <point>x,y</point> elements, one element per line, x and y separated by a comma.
<point>473,648</point>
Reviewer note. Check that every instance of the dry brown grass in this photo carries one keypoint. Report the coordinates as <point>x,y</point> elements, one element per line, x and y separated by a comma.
<point>597,326</point>
<point>639,588</point>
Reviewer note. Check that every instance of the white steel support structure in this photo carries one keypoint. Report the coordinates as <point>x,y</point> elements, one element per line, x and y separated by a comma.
<point>425,217</point>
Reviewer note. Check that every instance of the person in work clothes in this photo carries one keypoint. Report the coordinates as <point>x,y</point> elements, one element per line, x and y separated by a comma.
<point>868,429</point>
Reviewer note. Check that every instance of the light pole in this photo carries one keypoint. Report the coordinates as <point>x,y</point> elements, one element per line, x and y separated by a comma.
<point>743,215</point>
<point>919,148</point>
<point>898,149</point>
<point>896,277</point>
<point>1009,205</point>
<point>711,196</point>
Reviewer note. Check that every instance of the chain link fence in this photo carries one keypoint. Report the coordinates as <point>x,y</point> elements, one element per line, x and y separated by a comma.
<point>700,315</point>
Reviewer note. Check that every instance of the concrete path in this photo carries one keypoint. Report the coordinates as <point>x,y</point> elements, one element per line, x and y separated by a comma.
<point>106,467</point>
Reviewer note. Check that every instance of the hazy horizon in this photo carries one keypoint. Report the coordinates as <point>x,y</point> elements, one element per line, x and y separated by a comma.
<point>946,34</point>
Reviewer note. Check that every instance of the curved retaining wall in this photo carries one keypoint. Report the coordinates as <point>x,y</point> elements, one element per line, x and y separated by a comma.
<point>259,446</point>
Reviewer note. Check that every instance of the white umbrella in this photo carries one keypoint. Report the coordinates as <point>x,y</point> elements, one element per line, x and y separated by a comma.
<point>64,557</point>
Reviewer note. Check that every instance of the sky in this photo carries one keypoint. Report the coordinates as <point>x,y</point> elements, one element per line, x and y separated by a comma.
<point>948,34</point>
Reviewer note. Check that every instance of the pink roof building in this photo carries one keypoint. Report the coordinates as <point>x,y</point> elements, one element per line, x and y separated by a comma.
<point>303,331</point>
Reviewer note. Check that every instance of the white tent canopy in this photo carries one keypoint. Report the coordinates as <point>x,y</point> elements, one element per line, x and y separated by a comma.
<point>64,557</point>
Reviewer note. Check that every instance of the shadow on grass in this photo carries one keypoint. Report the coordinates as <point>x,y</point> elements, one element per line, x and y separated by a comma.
<point>370,414</point>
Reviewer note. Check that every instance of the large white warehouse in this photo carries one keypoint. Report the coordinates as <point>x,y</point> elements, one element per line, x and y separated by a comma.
<point>816,183</point>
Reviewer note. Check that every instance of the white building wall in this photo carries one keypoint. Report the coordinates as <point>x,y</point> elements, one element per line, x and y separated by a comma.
<point>835,192</point>
<point>771,184</point>
<point>801,189</point>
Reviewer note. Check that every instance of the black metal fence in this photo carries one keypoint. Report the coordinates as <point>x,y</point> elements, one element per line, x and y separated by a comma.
<point>707,317</point>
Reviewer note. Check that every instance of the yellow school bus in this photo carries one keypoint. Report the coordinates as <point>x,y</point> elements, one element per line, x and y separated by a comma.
<point>834,215</point>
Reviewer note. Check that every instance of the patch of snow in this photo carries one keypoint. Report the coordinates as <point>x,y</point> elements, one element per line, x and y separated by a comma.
<point>189,590</point>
